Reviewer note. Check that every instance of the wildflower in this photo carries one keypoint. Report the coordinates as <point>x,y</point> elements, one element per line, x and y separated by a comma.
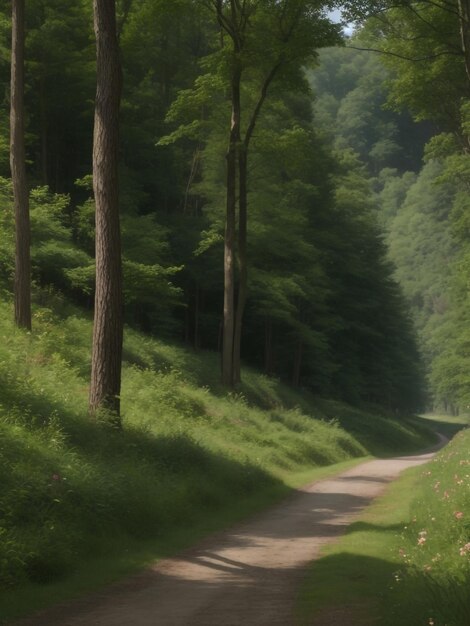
<point>421,541</point>
<point>431,621</point>
<point>458,514</point>
<point>446,495</point>
<point>55,477</point>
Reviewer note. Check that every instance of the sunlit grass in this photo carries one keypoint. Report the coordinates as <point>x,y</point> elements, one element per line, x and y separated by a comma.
<point>407,561</point>
<point>191,457</point>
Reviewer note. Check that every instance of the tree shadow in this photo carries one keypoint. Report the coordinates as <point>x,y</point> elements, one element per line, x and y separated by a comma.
<point>338,585</point>
<point>206,587</point>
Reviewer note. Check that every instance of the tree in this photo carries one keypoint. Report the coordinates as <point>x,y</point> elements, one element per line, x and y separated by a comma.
<point>108,323</point>
<point>425,47</point>
<point>266,40</point>
<point>18,170</point>
<point>425,43</point>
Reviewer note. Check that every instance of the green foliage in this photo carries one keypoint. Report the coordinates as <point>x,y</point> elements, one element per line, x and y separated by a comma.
<point>58,260</point>
<point>185,453</point>
<point>351,93</point>
<point>404,560</point>
<point>53,251</point>
<point>307,215</point>
<point>323,308</point>
<point>434,547</point>
<point>424,212</point>
<point>427,76</point>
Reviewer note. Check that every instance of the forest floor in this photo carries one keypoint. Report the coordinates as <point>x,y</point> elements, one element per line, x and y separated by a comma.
<point>247,575</point>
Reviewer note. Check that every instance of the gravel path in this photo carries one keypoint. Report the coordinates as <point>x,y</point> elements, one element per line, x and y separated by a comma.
<point>247,575</point>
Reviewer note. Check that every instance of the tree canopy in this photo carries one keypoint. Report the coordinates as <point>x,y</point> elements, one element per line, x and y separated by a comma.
<point>312,278</point>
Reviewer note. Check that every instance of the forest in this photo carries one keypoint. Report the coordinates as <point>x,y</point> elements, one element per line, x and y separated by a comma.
<point>314,249</point>
<point>236,232</point>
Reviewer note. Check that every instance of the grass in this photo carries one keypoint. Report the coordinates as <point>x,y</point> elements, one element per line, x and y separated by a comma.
<point>448,425</point>
<point>191,458</point>
<point>407,560</point>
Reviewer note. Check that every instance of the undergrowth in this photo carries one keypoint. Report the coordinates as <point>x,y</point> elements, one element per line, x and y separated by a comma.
<point>74,489</point>
<point>432,585</point>
<point>406,561</point>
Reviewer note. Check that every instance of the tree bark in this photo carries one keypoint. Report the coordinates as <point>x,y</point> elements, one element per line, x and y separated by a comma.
<point>464,19</point>
<point>108,321</point>
<point>22,282</point>
<point>243,222</point>
<point>242,259</point>
<point>230,230</point>
<point>235,26</point>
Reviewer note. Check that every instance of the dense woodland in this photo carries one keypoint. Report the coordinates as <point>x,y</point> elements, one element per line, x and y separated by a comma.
<point>263,217</point>
<point>323,306</point>
<point>339,227</point>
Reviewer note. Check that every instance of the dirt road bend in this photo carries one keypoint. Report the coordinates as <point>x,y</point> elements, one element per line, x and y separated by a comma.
<point>247,575</point>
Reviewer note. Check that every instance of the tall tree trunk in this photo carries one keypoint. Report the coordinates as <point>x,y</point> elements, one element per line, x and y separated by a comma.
<point>22,286</point>
<point>230,230</point>
<point>108,322</point>
<point>243,222</point>
<point>464,19</point>
<point>242,259</point>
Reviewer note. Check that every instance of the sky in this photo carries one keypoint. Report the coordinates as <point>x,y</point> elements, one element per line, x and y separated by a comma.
<point>335,16</point>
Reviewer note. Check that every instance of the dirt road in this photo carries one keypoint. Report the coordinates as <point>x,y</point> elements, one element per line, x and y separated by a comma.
<point>247,575</point>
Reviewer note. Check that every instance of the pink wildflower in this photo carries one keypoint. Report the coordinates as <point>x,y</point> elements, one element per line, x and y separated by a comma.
<point>458,514</point>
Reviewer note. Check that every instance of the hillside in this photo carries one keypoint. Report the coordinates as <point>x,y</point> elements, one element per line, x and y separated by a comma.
<point>191,457</point>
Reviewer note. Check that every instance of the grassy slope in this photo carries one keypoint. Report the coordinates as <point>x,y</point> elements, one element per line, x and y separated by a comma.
<point>191,458</point>
<point>381,571</point>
